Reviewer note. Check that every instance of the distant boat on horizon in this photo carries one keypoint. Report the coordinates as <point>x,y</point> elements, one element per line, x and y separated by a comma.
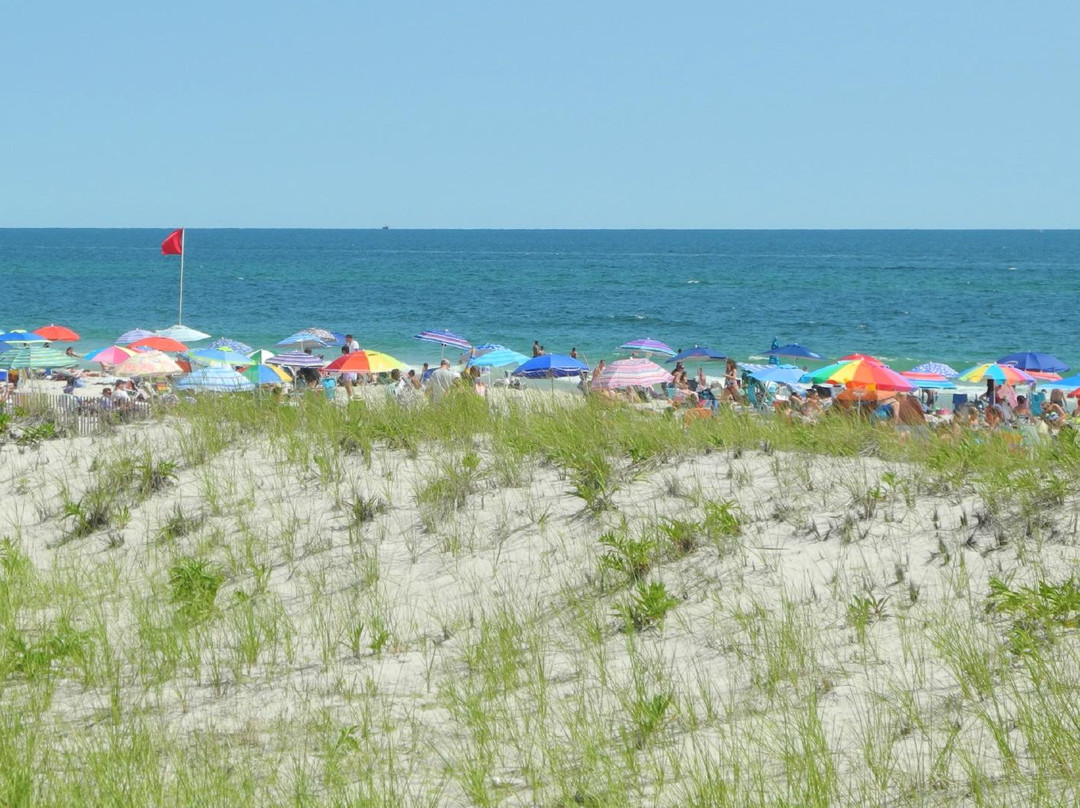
<point>386,227</point>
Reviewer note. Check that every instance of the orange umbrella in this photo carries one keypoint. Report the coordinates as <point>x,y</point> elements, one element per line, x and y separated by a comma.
<point>160,344</point>
<point>57,333</point>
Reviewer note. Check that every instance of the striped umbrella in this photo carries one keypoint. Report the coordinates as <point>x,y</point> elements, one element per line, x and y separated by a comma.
<point>266,374</point>
<point>363,362</point>
<point>216,380</point>
<point>260,356</point>
<point>134,335</point>
<point>22,338</point>
<point>151,363</point>
<point>867,373</point>
<point>110,355</point>
<point>936,367</point>
<point>231,345</point>
<point>1000,374</point>
<point>35,356</point>
<point>444,338</point>
<point>928,381</point>
<point>297,359</point>
<point>624,373</point>
<point>647,346</point>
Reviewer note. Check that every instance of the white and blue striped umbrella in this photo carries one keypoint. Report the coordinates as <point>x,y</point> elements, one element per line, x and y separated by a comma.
<point>297,359</point>
<point>444,338</point>
<point>938,368</point>
<point>215,379</point>
<point>135,335</point>
<point>308,339</point>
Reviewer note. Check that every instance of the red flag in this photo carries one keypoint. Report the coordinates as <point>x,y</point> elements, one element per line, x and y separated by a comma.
<point>174,244</point>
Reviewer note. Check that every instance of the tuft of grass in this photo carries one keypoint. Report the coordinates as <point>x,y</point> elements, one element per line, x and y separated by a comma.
<point>194,584</point>
<point>646,607</point>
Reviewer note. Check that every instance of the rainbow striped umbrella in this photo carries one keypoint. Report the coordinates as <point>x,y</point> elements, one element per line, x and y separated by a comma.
<point>1001,374</point>
<point>624,373</point>
<point>870,373</point>
<point>265,374</point>
<point>363,362</point>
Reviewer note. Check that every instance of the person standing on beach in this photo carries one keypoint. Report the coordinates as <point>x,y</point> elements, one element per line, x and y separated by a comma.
<point>351,345</point>
<point>347,379</point>
<point>442,379</point>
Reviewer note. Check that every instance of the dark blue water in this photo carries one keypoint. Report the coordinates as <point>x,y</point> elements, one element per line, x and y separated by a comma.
<point>953,296</point>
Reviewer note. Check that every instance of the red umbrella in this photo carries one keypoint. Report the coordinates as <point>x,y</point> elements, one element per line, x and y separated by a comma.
<point>160,344</point>
<point>57,333</point>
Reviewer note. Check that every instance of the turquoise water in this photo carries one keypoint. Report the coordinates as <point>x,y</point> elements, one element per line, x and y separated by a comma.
<point>911,296</point>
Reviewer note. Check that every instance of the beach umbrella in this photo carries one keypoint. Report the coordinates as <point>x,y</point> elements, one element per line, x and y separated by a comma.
<point>260,356</point>
<point>858,356</point>
<point>57,333</point>
<point>794,350</point>
<point>444,338</point>
<point>224,343</point>
<point>551,366</point>
<point>1044,376</point>
<point>110,355</point>
<point>182,333</point>
<point>159,344</point>
<point>779,374</point>
<point>497,358</point>
<point>623,373</point>
<point>822,375</point>
<point>865,373</point>
<point>698,352</point>
<point>266,374</point>
<point>999,374</point>
<point>297,359</point>
<point>936,367</point>
<point>1030,360</point>
<point>363,361</point>
<point>22,338</point>
<point>5,347</point>
<point>213,356</point>
<point>215,379</point>
<point>335,338</point>
<point>307,339</point>
<point>32,357</point>
<point>928,381</point>
<point>1067,383</point>
<point>151,363</point>
<point>648,346</point>
<point>134,335</point>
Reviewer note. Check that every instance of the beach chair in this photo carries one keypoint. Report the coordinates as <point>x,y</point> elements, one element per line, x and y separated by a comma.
<point>959,400</point>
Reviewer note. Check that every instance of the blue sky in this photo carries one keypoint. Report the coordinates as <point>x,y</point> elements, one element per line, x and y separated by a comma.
<point>555,114</point>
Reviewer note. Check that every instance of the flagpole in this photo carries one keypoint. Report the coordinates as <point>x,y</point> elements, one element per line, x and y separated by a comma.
<point>180,314</point>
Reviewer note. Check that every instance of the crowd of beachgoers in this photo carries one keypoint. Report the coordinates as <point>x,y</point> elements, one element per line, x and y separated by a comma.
<point>1029,403</point>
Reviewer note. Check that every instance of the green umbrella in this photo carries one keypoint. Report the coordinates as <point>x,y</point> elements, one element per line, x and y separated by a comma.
<point>34,356</point>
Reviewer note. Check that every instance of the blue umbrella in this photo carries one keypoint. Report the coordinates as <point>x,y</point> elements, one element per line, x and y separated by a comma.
<point>22,338</point>
<point>938,368</point>
<point>698,352</point>
<point>1068,383</point>
<point>551,366</point>
<point>1028,360</point>
<point>793,349</point>
<point>231,345</point>
<point>307,339</point>
<point>498,358</point>
<point>779,374</point>
<point>215,379</point>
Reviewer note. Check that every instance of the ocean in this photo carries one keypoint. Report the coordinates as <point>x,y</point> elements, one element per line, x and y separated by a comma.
<point>908,296</point>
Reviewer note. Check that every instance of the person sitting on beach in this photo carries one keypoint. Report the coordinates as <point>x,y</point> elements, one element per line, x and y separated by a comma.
<point>107,402</point>
<point>812,405</point>
<point>413,379</point>
<point>1022,410</point>
<point>1054,411</point>
<point>403,390</point>
<point>995,417</point>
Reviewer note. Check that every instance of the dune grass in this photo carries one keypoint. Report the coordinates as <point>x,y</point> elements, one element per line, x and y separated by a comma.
<point>559,603</point>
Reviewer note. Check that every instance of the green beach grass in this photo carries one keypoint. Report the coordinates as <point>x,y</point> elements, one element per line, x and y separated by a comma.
<point>552,601</point>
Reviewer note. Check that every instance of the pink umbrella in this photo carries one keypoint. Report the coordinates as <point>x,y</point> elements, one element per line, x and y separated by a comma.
<point>624,373</point>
